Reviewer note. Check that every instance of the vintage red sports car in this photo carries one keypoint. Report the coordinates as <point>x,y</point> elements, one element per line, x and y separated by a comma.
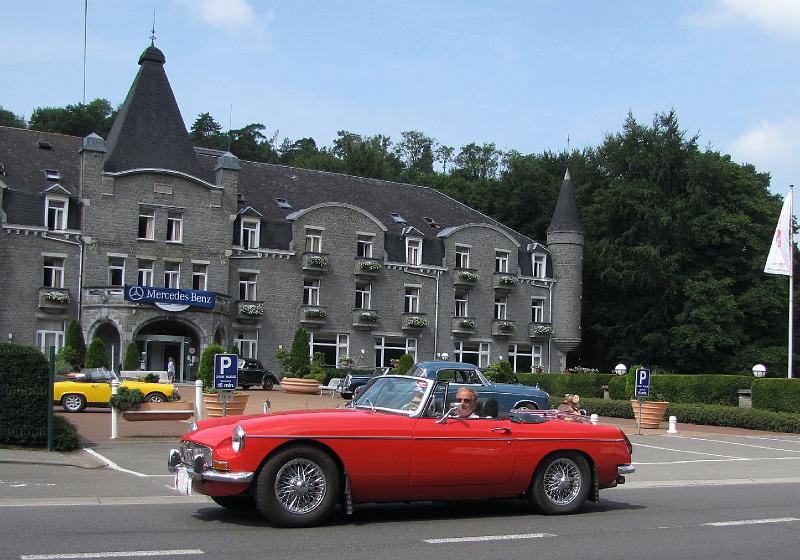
<point>400,440</point>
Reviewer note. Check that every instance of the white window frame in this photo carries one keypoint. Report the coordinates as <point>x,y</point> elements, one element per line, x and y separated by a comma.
<point>482,352</point>
<point>59,213</point>
<point>172,275</point>
<point>535,355</point>
<point>537,310</point>
<point>462,256</point>
<point>42,336</point>
<point>364,294</point>
<point>539,266</point>
<point>250,233</point>
<point>409,346</point>
<point>56,272</point>
<point>311,291</point>
<point>247,347</point>
<point>248,285</point>
<point>342,345</point>
<point>144,272</point>
<point>313,240</point>
<point>364,243</point>
<point>149,217</point>
<point>501,308</point>
<point>114,266</point>
<point>411,299</point>
<point>461,304</point>
<point>414,251</point>
<point>200,276</point>
<point>501,258</point>
<point>175,227</point>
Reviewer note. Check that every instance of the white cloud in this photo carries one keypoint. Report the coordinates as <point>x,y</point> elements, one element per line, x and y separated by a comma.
<point>782,16</point>
<point>769,143</point>
<point>230,14</point>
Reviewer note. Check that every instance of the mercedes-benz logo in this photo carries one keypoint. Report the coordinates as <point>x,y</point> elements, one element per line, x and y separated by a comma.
<point>136,293</point>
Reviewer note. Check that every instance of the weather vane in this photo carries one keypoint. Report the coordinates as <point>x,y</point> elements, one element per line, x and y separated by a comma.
<point>153,31</point>
<point>567,143</point>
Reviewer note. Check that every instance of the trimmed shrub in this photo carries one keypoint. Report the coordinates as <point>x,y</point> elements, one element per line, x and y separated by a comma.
<point>299,362</point>
<point>126,399</point>
<point>404,364</point>
<point>73,339</point>
<point>317,369</point>
<point>704,388</point>
<point>131,361</point>
<point>65,435</point>
<point>501,372</point>
<point>67,360</point>
<point>584,384</point>
<point>205,372</point>
<point>96,356</point>
<point>780,395</point>
<point>23,395</point>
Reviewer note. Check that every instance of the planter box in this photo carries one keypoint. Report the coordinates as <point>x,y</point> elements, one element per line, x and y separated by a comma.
<point>172,410</point>
<point>299,385</point>
<point>652,412</point>
<point>213,408</point>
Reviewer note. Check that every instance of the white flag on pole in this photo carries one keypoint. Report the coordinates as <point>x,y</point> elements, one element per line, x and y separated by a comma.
<point>779,260</point>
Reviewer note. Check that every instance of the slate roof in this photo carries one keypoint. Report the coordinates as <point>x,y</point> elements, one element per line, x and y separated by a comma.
<point>149,130</point>
<point>566,216</point>
<point>24,163</point>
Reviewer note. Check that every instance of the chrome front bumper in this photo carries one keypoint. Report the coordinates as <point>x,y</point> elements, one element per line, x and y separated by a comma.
<point>200,471</point>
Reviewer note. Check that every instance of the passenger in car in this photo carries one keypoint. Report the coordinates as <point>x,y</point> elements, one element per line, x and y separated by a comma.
<point>467,402</point>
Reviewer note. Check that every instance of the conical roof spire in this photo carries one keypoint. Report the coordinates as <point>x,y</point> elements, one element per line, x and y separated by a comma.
<point>565,215</point>
<point>149,131</point>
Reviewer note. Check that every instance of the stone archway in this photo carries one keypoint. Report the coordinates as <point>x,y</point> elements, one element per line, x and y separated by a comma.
<point>108,332</point>
<point>161,339</point>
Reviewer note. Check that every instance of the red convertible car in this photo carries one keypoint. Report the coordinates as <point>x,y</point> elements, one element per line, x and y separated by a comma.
<point>400,440</point>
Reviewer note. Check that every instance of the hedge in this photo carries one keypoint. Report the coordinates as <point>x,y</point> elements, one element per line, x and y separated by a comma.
<point>558,384</point>
<point>781,395</point>
<point>704,389</point>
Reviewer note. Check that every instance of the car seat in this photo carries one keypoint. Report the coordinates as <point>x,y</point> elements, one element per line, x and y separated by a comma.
<point>489,409</point>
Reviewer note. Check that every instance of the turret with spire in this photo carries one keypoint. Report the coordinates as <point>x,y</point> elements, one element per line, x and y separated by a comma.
<point>565,239</point>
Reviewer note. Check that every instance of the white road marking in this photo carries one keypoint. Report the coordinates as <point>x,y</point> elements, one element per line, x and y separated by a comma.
<point>633,485</point>
<point>684,451</point>
<point>111,464</point>
<point>738,443</point>
<point>732,459</point>
<point>129,501</point>
<point>490,538</point>
<point>121,554</point>
<point>751,522</point>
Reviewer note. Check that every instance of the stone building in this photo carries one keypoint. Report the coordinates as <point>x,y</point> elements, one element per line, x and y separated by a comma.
<point>147,239</point>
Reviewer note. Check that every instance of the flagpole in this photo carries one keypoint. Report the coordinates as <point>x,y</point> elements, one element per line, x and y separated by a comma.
<point>791,285</point>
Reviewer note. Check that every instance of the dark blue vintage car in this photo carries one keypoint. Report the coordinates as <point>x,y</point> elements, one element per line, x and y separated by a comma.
<point>507,395</point>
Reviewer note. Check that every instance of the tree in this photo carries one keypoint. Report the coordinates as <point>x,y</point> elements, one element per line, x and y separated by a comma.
<point>478,162</point>
<point>299,363</point>
<point>249,143</point>
<point>367,156</point>
<point>131,360</point>
<point>207,132</point>
<point>77,120</point>
<point>96,356</point>
<point>7,118</point>
<point>445,155</point>
<point>416,150</point>
<point>73,339</point>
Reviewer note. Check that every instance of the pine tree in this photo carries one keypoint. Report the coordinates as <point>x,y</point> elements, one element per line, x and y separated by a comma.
<point>131,361</point>
<point>73,339</point>
<point>96,356</point>
<point>300,363</point>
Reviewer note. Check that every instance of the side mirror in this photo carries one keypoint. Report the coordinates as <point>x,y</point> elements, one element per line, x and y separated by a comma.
<point>452,412</point>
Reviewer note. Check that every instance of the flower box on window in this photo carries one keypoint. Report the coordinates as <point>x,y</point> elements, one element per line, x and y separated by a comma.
<point>318,260</point>
<point>502,327</point>
<point>315,313</point>
<point>366,267</point>
<point>463,326</point>
<point>57,297</point>
<point>252,309</point>
<point>417,322</point>
<point>465,277</point>
<point>368,317</point>
<point>539,330</point>
<point>504,281</point>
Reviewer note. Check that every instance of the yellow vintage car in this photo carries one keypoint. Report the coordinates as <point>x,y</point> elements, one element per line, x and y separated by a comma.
<point>93,388</point>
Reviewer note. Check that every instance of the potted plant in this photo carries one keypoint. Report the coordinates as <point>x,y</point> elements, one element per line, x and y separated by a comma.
<point>297,365</point>
<point>653,408</point>
<point>211,404</point>
<point>130,402</point>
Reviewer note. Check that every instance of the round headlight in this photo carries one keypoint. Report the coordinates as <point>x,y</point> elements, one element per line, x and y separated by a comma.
<point>237,440</point>
<point>192,427</point>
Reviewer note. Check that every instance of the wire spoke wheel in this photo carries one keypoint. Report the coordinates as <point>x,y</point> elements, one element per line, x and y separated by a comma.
<point>300,485</point>
<point>561,484</point>
<point>562,481</point>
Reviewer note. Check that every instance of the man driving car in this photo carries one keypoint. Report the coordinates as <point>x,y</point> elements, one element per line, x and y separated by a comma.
<point>467,402</point>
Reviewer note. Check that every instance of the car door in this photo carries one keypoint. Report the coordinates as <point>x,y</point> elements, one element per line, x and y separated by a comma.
<point>98,389</point>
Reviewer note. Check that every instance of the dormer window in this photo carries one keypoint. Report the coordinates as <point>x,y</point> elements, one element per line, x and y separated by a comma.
<point>251,233</point>
<point>538,266</point>
<point>433,223</point>
<point>283,203</point>
<point>414,251</point>
<point>52,174</point>
<point>55,213</point>
<point>42,145</point>
<point>398,219</point>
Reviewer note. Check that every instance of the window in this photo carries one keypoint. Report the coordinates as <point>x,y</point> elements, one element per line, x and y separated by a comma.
<point>116,271</point>
<point>472,353</point>
<point>500,307</point>
<point>364,246</point>
<point>414,251</point>
<point>53,272</point>
<point>363,295</point>
<point>251,233</point>
<point>311,292</point>
<point>283,203</point>
<point>398,219</point>
<point>462,256</point>
<point>200,277</point>
<point>501,261</point>
<point>538,266</point>
<point>145,272</point>
<point>412,299</point>
<point>49,333</point>
<point>56,213</point>
<point>313,240</point>
<point>524,358</point>
<point>461,304</point>
<point>432,222</point>
<point>52,174</point>
<point>332,346</point>
<point>174,227</point>
<point>537,310</point>
<point>172,275</point>
<point>388,349</point>
<point>147,221</point>
<point>247,347</point>
<point>247,286</point>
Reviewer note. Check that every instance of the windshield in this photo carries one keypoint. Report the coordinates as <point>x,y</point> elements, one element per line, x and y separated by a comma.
<point>398,394</point>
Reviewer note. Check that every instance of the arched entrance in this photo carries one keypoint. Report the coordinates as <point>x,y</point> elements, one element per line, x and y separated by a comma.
<point>163,339</point>
<point>108,333</point>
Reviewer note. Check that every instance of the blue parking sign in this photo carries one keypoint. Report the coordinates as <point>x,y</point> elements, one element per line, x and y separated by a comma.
<point>642,382</point>
<point>226,372</point>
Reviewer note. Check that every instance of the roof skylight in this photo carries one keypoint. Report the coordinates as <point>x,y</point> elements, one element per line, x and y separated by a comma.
<point>398,219</point>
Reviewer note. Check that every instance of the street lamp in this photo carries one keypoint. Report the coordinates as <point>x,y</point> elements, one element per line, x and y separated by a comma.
<point>620,369</point>
<point>445,355</point>
<point>759,370</point>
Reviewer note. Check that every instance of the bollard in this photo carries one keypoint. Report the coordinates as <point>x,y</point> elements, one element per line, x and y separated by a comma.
<point>594,418</point>
<point>266,406</point>
<point>114,413</point>
<point>198,400</point>
<point>673,420</point>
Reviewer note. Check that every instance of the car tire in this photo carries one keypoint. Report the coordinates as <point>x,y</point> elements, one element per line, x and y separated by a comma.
<point>245,387</point>
<point>73,403</point>
<point>561,484</point>
<point>298,487</point>
<point>242,502</point>
<point>155,397</point>
<point>267,383</point>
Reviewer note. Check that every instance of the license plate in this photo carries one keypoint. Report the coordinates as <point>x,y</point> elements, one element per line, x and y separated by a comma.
<point>183,484</point>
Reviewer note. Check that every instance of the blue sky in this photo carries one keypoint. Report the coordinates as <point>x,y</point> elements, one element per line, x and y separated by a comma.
<point>522,74</point>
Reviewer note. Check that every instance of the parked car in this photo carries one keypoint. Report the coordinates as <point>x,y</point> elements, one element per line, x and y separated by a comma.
<point>92,387</point>
<point>399,441</point>
<point>352,381</point>
<point>251,372</point>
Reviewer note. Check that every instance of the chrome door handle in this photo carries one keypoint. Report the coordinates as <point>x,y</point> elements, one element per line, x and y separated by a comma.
<point>502,429</point>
